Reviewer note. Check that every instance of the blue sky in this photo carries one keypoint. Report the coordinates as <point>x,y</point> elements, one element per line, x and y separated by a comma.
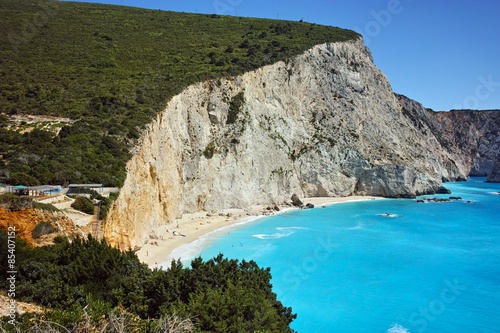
<point>442,53</point>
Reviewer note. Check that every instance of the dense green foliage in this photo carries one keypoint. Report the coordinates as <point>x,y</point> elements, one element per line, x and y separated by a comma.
<point>235,107</point>
<point>83,204</point>
<point>220,295</point>
<point>112,68</point>
<point>21,178</point>
<point>80,153</point>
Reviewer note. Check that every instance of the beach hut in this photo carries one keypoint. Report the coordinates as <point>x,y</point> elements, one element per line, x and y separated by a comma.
<point>36,191</point>
<point>20,190</point>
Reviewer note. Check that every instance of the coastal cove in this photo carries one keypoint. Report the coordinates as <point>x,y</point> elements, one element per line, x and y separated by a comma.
<point>238,166</point>
<point>427,267</point>
<point>198,229</point>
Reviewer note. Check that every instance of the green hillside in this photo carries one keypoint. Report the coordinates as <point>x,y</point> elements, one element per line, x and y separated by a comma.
<point>111,68</point>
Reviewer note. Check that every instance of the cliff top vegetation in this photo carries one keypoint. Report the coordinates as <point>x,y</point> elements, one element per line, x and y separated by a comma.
<point>107,70</point>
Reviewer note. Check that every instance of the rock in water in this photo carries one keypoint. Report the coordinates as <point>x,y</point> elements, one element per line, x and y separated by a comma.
<point>309,205</point>
<point>443,190</point>
<point>296,201</point>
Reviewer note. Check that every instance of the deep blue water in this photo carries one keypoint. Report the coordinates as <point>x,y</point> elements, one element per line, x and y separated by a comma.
<point>432,267</point>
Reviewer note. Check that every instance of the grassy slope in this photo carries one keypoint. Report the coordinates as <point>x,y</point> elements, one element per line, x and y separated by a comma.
<point>112,68</point>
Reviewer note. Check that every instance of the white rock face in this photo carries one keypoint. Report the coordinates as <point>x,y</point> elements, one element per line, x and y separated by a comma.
<point>325,123</point>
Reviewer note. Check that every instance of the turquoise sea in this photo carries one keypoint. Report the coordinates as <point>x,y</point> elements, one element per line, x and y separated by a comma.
<point>429,267</point>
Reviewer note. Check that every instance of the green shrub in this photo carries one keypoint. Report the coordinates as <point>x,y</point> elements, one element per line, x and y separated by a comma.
<point>235,107</point>
<point>209,150</point>
<point>46,207</point>
<point>43,228</point>
<point>14,203</point>
<point>21,178</point>
<point>83,204</point>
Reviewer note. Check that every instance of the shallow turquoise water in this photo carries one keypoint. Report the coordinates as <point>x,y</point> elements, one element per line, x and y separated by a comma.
<point>432,267</point>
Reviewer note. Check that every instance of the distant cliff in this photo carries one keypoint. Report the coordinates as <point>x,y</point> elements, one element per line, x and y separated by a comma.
<point>325,123</point>
<point>470,137</point>
<point>494,175</point>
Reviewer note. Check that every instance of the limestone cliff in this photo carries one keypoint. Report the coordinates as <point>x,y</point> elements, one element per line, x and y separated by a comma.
<point>325,123</point>
<point>470,137</point>
<point>475,134</point>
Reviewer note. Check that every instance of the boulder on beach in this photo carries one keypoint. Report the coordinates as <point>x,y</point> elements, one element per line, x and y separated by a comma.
<point>296,201</point>
<point>309,205</point>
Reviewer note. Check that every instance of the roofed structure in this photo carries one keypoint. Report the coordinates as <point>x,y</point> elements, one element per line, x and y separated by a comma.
<point>84,188</point>
<point>35,191</point>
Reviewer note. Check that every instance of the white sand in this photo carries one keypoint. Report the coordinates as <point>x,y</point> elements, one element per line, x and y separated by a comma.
<point>196,225</point>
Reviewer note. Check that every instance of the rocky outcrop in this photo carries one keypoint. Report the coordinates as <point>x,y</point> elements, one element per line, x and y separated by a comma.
<point>470,139</point>
<point>475,134</point>
<point>296,201</point>
<point>395,181</point>
<point>494,175</point>
<point>325,123</point>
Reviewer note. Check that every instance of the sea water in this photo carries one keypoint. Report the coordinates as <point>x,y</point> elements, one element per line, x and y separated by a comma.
<point>383,265</point>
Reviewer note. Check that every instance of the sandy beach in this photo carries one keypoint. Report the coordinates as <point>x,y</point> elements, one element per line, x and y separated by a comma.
<point>192,226</point>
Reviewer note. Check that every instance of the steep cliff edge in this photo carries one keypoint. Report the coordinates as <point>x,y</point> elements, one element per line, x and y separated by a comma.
<point>325,123</point>
<point>475,134</point>
<point>470,137</point>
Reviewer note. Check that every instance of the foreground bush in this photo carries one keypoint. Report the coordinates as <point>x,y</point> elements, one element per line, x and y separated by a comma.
<point>220,295</point>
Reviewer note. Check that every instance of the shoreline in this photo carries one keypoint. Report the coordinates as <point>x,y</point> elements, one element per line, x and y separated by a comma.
<point>197,228</point>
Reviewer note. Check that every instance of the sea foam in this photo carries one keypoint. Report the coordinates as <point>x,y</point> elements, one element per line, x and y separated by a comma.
<point>273,236</point>
<point>396,328</point>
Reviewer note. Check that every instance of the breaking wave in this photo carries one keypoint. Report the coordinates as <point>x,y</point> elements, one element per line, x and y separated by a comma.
<point>396,328</point>
<point>272,236</point>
